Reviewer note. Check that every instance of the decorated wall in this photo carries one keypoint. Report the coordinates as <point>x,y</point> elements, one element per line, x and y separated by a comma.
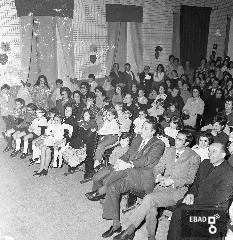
<point>10,59</point>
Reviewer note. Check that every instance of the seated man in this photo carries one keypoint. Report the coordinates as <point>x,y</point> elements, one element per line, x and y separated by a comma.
<point>212,188</point>
<point>144,152</point>
<point>174,172</point>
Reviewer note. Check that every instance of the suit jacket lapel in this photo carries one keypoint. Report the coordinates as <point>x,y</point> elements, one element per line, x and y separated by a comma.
<point>146,146</point>
<point>217,171</point>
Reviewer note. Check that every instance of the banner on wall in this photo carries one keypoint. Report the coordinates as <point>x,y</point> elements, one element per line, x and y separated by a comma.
<point>60,8</point>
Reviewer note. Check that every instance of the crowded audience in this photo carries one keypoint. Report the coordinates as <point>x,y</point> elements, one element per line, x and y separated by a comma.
<point>149,132</point>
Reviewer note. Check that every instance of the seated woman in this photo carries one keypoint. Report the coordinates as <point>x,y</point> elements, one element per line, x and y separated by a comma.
<point>108,134</point>
<point>101,176</point>
<point>74,151</point>
<point>55,136</point>
<point>100,96</point>
<point>193,107</point>
<point>202,146</point>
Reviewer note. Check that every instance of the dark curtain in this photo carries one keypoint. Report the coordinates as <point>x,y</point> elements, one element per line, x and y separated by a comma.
<point>194,30</point>
<point>227,35</point>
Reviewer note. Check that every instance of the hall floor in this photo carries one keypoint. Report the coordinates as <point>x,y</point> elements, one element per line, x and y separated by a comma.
<point>48,208</point>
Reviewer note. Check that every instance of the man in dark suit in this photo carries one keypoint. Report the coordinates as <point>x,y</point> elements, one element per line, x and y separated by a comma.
<point>117,77</point>
<point>212,189</point>
<point>146,79</point>
<point>144,153</point>
<point>129,77</point>
<point>174,172</point>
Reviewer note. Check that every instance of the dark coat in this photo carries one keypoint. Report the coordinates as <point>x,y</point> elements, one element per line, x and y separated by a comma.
<point>213,186</point>
<point>178,100</point>
<point>146,83</point>
<point>141,176</point>
<point>117,78</point>
<point>130,80</point>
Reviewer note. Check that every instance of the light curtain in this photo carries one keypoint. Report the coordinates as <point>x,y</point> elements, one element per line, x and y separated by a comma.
<point>117,43</point>
<point>46,48</point>
<point>64,26</point>
<point>229,38</point>
<point>176,35</point>
<point>135,46</point>
<point>26,24</point>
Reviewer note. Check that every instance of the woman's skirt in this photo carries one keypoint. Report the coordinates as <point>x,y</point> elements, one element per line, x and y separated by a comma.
<point>73,156</point>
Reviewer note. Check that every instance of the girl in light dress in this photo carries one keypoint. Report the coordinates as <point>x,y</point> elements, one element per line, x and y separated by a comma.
<point>176,124</point>
<point>142,100</point>
<point>202,148</point>
<point>139,121</point>
<point>157,109</point>
<point>54,138</point>
<point>108,134</point>
<point>38,142</point>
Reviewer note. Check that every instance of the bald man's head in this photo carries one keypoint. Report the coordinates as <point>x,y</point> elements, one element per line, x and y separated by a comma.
<point>217,153</point>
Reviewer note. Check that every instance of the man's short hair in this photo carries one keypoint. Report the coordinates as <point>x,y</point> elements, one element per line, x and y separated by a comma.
<point>21,101</point>
<point>189,136</point>
<point>59,81</point>
<point>5,86</point>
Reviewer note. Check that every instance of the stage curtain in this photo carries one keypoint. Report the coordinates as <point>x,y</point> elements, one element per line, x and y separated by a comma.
<point>230,41</point>
<point>27,42</point>
<point>46,48</point>
<point>227,35</point>
<point>194,31</point>
<point>176,35</point>
<point>65,31</point>
<point>135,46</point>
<point>117,42</point>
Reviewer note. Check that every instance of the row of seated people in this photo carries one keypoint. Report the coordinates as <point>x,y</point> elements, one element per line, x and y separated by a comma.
<point>128,114</point>
<point>174,176</point>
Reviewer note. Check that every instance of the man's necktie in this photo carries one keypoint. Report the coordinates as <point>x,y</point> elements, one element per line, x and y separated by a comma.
<point>143,143</point>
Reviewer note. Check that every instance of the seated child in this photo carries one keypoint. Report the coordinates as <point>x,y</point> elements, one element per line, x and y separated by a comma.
<point>176,124</point>
<point>172,111</point>
<point>6,103</point>
<point>93,84</point>
<point>56,96</point>
<point>134,93</point>
<point>125,121</point>
<point>142,100</point>
<point>23,126</point>
<point>14,120</point>
<point>162,94</point>
<point>38,142</point>
<point>117,96</point>
<point>100,177</point>
<point>108,135</point>
<point>33,131</point>
<point>54,136</point>
<point>202,148</point>
<point>109,89</point>
<point>139,121</point>
<point>157,109</point>
<point>16,117</point>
